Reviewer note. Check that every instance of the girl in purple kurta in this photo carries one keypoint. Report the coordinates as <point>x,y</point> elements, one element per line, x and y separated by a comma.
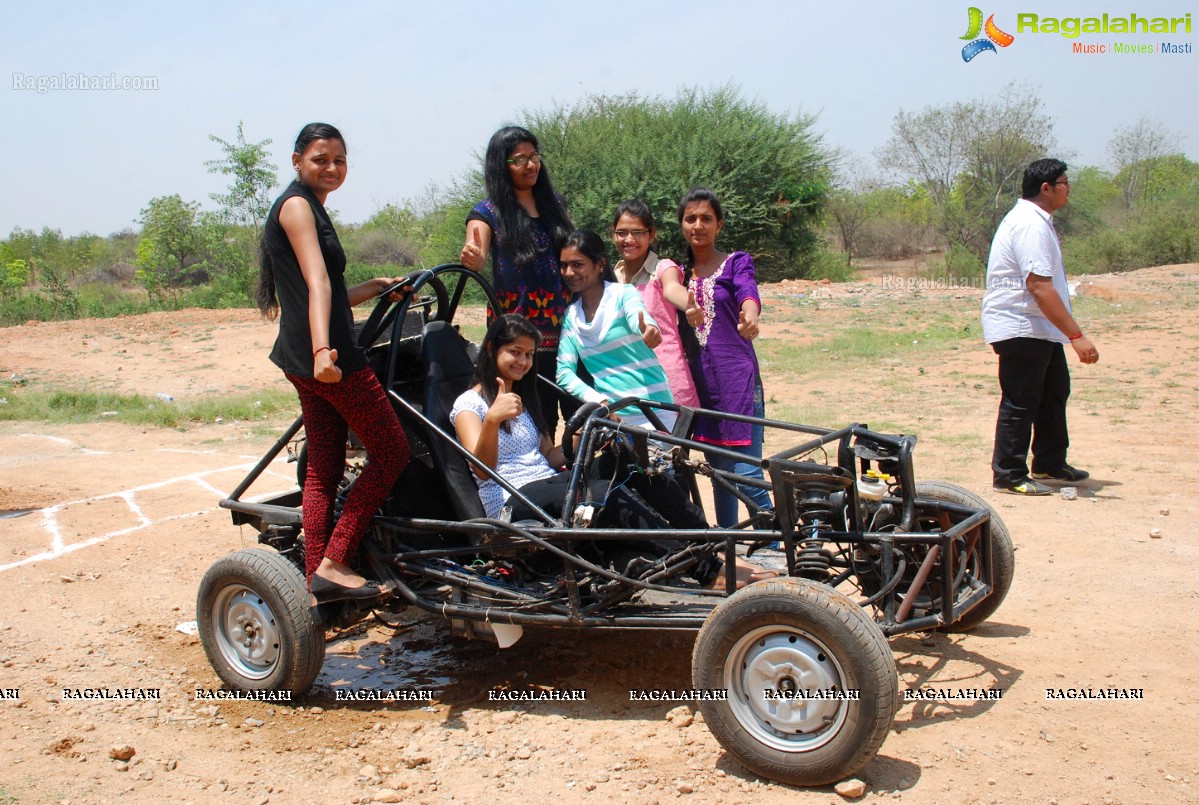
<point>725,317</point>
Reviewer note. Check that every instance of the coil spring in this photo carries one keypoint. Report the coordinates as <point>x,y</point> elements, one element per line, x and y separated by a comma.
<point>815,509</point>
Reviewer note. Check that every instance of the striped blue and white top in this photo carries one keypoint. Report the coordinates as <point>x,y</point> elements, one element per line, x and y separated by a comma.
<point>611,348</point>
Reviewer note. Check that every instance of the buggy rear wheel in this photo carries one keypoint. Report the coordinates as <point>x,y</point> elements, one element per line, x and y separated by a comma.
<point>255,623</point>
<point>811,683</point>
<point>1003,553</point>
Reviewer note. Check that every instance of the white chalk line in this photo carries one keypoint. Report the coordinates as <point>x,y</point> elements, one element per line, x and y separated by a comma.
<point>59,547</point>
<point>64,442</point>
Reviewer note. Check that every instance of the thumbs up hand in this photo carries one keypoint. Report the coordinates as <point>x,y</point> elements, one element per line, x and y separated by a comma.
<point>651,335</point>
<point>695,315</point>
<point>747,328</point>
<point>472,255</point>
<point>507,405</point>
<point>324,366</point>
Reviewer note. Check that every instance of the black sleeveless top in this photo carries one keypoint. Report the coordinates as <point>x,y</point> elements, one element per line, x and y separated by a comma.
<point>293,348</point>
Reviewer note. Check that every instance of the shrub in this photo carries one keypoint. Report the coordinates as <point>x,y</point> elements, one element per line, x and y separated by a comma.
<point>769,171</point>
<point>827,264</point>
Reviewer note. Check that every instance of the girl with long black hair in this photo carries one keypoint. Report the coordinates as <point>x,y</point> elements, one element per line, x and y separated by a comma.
<point>522,223</point>
<point>302,280</point>
<point>725,289</point>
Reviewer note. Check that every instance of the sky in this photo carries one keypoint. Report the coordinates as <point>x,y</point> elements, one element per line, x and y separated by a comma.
<point>418,88</point>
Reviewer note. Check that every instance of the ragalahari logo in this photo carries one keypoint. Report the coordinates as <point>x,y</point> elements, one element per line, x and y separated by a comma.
<point>994,35</point>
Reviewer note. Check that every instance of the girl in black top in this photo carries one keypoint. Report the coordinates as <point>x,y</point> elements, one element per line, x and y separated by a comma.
<point>302,280</point>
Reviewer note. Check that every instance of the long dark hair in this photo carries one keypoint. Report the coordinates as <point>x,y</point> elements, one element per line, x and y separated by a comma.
<point>502,332</point>
<point>594,249</point>
<point>264,290</point>
<point>516,226</point>
<point>694,195</point>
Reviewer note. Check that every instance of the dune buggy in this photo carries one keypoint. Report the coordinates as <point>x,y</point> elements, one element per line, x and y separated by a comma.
<point>794,674</point>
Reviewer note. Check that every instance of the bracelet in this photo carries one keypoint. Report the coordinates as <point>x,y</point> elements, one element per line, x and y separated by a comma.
<point>1076,337</point>
<point>319,350</point>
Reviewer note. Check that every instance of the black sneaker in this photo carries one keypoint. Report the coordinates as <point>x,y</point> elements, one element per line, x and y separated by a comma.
<point>1063,473</point>
<point>1027,488</point>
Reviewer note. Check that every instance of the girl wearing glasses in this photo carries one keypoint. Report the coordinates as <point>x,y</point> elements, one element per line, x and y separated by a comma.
<point>660,283</point>
<point>522,223</point>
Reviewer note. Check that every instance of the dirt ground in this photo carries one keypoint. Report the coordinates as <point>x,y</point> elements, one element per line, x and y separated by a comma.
<point>107,530</point>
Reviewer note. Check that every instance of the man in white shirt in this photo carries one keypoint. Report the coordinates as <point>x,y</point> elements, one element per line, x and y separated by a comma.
<point>1026,318</point>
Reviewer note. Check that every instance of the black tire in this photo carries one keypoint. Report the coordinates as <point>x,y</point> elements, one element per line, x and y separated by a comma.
<point>1003,553</point>
<point>795,634</point>
<point>255,623</point>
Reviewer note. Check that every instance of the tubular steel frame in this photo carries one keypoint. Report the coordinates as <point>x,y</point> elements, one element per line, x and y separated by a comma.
<point>411,572</point>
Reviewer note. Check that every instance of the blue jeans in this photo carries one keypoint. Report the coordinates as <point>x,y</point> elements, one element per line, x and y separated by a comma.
<point>725,502</point>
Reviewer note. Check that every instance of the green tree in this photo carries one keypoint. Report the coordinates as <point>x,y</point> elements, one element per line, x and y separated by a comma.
<point>116,257</point>
<point>44,251</point>
<point>1095,203</point>
<point>80,254</point>
<point>1136,152</point>
<point>254,177</point>
<point>64,301</point>
<point>849,206</point>
<point>770,171</point>
<point>443,213</point>
<point>970,157</point>
<point>171,244</point>
<point>392,236</point>
<point>15,275</point>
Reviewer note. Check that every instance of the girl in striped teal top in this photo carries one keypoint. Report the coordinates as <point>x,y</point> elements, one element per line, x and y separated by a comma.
<point>607,328</point>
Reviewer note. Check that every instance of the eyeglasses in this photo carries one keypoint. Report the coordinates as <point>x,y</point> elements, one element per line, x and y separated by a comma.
<point>1066,182</point>
<point>520,160</point>
<point>621,234</point>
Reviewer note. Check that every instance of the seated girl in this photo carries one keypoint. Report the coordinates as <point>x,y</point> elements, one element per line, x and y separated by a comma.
<point>607,328</point>
<point>499,421</point>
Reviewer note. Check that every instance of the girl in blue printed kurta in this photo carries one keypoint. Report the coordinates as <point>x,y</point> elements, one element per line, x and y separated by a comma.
<point>522,224</point>
<point>607,328</point>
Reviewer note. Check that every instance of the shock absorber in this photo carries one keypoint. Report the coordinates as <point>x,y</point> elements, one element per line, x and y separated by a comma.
<point>816,505</point>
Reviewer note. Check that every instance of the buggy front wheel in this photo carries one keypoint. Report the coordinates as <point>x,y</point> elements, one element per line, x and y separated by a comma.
<point>255,623</point>
<point>810,681</point>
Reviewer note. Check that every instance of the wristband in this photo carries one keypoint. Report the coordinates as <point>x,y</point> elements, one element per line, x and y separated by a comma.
<point>319,350</point>
<point>1076,337</point>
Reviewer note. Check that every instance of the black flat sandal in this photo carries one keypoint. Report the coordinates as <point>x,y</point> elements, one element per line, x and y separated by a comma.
<point>325,591</point>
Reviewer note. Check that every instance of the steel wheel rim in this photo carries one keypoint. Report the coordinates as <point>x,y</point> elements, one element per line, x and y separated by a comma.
<point>247,632</point>
<point>785,658</point>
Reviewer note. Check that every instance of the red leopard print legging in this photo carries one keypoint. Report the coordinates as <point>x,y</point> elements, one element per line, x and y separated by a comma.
<point>359,402</point>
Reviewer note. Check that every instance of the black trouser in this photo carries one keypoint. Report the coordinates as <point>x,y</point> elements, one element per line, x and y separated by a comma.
<point>626,505</point>
<point>1035,383</point>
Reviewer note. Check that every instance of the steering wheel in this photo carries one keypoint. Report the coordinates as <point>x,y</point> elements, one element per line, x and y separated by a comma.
<point>384,314</point>
<point>572,427</point>
<point>440,310</point>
